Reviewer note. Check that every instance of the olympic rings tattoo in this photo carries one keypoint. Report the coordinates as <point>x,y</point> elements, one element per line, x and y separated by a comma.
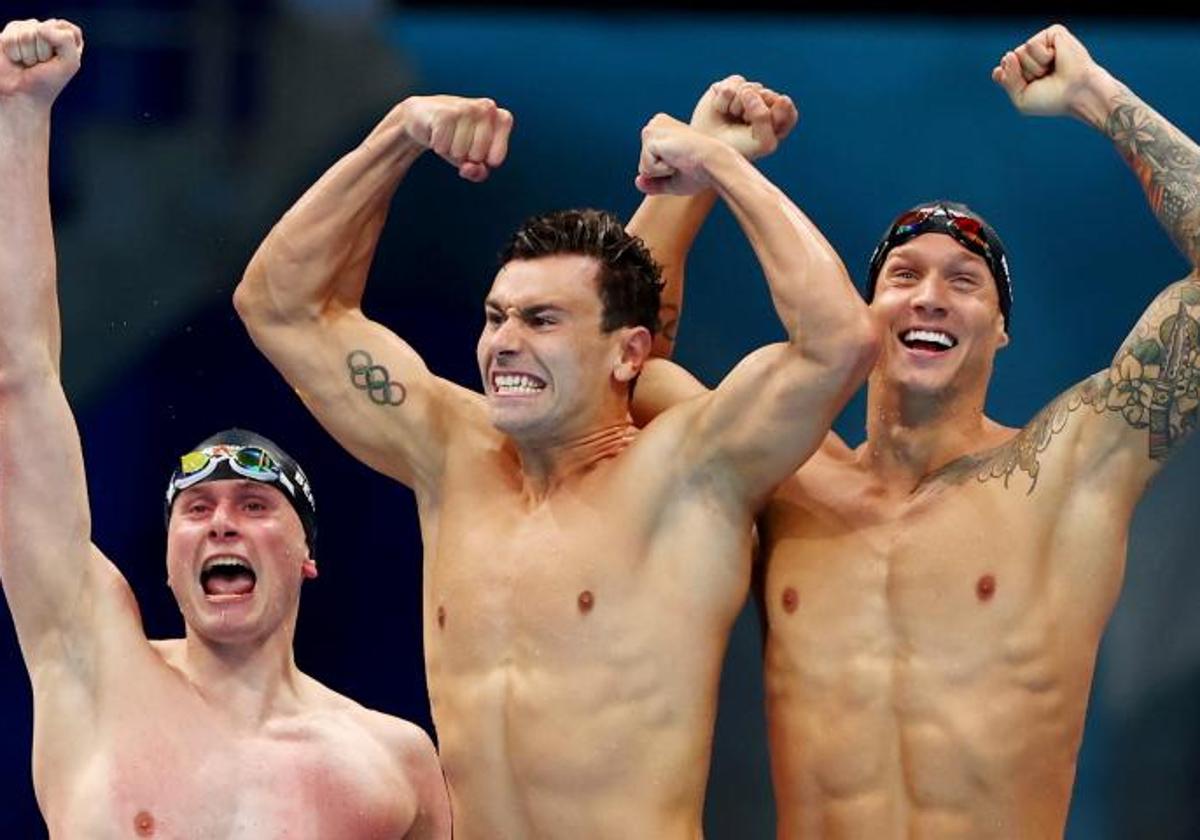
<point>374,379</point>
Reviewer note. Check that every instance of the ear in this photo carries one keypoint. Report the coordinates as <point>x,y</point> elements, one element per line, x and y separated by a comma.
<point>635,350</point>
<point>308,568</point>
<point>1002,341</point>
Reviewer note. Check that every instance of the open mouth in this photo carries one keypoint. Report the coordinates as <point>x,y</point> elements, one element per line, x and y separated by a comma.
<point>520,384</point>
<point>227,576</point>
<point>929,341</point>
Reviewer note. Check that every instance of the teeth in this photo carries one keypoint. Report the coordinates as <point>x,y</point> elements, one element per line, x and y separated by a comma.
<point>930,336</point>
<point>224,563</point>
<point>517,383</point>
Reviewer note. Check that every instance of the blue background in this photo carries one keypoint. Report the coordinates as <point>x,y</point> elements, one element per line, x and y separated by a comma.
<point>192,127</point>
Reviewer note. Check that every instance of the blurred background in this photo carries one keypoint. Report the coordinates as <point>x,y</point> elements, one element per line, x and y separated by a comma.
<point>193,125</point>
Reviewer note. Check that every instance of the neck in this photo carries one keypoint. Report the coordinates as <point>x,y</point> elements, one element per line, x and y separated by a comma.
<point>545,467</point>
<point>911,435</point>
<point>252,682</point>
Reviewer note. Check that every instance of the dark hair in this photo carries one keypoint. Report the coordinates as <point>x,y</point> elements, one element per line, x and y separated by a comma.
<point>629,281</point>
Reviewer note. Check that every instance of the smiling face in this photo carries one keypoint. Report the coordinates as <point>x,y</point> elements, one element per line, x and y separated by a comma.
<point>236,556</point>
<point>937,304</point>
<point>549,371</point>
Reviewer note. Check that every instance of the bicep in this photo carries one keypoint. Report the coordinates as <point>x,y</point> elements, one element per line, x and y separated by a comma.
<point>1144,405</point>
<point>54,579</point>
<point>767,417</point>
<point>368,388</point>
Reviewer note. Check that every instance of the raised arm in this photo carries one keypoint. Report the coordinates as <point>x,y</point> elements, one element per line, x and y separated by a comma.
<point>668,224</point>
<point>776,406</point>
<point>1145,404</point>
<point>47,564</point>
<point>301,295</point>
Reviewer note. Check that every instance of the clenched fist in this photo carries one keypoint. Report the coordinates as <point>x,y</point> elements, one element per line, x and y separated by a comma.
<point>471,134</point>
<point>1050,74</point>
<point>37,59</point>
<point>749,117</point>
<point>674,157</point>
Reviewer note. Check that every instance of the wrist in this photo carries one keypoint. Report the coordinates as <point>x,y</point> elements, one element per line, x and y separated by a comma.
<point>396,132</point>
<point>1097,97</point>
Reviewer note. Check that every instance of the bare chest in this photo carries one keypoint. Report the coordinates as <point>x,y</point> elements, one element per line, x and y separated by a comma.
<point>512,580</point>
<point>165,777</point>
<point>959,574</point>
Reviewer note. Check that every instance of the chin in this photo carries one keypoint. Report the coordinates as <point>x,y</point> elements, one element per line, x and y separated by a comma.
<point>516,424</point>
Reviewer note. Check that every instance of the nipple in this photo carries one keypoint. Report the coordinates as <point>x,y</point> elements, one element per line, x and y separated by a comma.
<point>790,600</point>
<point>985,588</point>
<point>143,824</point>
<point>586,601</point>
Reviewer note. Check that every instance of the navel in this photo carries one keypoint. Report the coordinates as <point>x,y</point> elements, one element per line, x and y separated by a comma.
<point>143,824</point>
<point>790,599</point>
<point>441,616</point>
<point>985,587</point>
<point>586,601</point>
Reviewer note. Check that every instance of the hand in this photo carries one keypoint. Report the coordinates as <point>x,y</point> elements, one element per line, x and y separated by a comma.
<point>470,134</point>
<point>38,58</point>
<point>725,111</point>
<point>674,156</point>
<point>1049,74</point>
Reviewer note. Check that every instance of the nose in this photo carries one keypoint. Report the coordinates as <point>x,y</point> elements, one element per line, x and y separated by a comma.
<point>929,297</point>
<point>221,525</point>
<point>506,338</point>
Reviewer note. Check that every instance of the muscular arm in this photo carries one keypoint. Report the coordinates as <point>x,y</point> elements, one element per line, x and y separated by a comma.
<point>669,224</point>
<point>301,295</point>
<point>776,406</point>
<point>1145,404</point>
<point>49,568</point>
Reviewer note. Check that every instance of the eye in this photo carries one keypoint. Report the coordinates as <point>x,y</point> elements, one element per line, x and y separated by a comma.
<point>542,321</point>
<point>255,506</point>
<point>964,281</point>
<point>493,318</point>
<point>904,275</point>
<point>196,508</point>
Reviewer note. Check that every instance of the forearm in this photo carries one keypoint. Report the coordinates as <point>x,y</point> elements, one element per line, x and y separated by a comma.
<point>817,304</point>
<point>319,253</point>
<point>668,225</point>
<point>29,322</point>
<point>1165,160</point>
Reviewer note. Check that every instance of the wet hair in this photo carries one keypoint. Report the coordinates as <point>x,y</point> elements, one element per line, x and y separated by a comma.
<point>292,483</point>
<point>629,281</point>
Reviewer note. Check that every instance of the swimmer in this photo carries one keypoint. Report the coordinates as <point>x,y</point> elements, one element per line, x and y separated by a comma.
<point>581,577</point>
<point>935,597</point>
<point>217,734</point>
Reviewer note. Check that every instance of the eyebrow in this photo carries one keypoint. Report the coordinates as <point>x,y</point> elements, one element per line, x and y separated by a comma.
<point>525,312</point>
<point>958,261</point>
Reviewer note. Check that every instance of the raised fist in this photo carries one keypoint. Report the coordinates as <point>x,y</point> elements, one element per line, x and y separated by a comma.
<point>1047,75</point>
<point>38,58</point>
<point>674,156</point>
<point>749,117</point>
<point>471,134</point>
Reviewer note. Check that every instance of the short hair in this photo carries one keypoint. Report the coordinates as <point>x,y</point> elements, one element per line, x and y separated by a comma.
<point>629,281</point>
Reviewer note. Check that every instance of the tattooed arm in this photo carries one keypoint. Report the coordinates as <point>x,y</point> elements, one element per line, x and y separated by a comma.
<point>1145,404</point>
<point>301,295</point>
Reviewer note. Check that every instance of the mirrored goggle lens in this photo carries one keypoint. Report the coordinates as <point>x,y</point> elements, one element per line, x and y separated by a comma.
<point>256,461</point>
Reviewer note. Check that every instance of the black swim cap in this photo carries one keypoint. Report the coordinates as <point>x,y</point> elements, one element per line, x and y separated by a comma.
<point>962,223</point>
<point>237,454</point>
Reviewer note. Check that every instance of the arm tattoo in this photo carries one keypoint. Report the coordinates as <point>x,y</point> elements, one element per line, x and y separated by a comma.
<point>367,376</point>
<point>1168,165</point>
<point>1154,384</point>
